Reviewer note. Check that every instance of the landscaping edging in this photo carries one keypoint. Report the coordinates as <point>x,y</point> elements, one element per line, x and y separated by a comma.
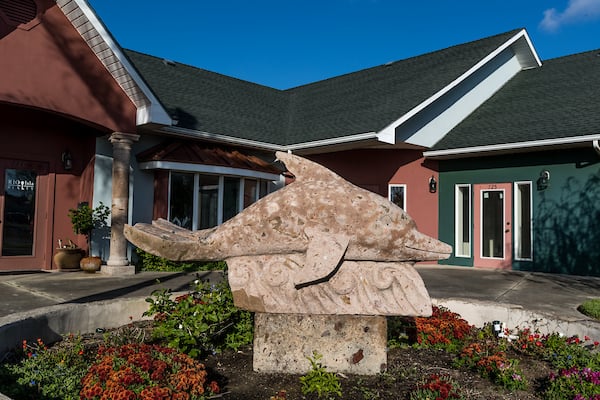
<point>50,323</point>
<point>479,313</point>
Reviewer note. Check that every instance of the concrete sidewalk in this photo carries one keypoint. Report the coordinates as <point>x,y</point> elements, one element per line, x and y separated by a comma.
<point>554,296</point>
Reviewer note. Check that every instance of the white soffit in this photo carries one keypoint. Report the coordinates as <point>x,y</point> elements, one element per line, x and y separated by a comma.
<point>93,31</point>
<point>441,124</point>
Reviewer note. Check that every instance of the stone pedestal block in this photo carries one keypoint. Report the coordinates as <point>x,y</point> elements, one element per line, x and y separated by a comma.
<point>349,343</point>
<point>118,270</point>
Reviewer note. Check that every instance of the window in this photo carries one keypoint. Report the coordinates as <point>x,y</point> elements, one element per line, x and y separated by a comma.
<point>19,212</point>
<point>523,248</point>
<point>181,202</point>
<point>397,195</point>
<point>462,222</point>
<point>201,201</point>
<point>208,201</point>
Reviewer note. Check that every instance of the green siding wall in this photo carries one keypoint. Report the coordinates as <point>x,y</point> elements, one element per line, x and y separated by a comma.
<point>566,215</point>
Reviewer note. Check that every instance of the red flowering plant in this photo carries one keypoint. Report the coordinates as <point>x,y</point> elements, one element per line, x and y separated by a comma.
<point>561,351</point>
<point>143,371</point>
<point>436,387</point>
<point>490,361</point>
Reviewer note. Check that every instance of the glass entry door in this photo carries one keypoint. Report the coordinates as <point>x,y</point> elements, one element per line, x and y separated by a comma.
<point>492,225</point>
<point>22,184</point>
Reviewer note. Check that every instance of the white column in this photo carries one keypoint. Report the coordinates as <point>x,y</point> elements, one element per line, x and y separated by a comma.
<point>117,263</point>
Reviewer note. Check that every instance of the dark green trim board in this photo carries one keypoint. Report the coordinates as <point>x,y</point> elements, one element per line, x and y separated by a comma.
<point>566,213</point>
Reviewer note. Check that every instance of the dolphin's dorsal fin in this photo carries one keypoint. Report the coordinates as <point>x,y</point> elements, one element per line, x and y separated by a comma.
<point>324,256</point>
<point>306,170</point>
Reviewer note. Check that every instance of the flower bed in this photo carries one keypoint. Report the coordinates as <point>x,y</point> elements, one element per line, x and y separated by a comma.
<point>174,357</point>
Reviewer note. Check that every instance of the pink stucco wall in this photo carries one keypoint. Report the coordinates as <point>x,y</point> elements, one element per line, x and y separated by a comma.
<point>376,169</point>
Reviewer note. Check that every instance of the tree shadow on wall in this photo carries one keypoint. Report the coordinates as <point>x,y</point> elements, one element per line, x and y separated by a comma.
<point>567,229</point>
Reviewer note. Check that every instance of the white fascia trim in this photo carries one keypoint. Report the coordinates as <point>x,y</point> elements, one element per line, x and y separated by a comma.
<point>333,141</point>
<point>215,137</point>
<point>208,169</point>
<point>523,33</point>
<point>189,133</point>
<point>152,113</point>
<point>388,134</point>
<point>510,146</point>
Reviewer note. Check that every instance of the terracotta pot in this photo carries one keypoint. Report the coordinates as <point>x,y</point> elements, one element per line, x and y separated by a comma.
<point>90,264</point>
<point>67,260</point>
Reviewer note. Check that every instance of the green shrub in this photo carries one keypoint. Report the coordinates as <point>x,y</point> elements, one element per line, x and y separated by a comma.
<point>204,320</point>
<point>150,262</point>
<point>320,381</point>
<point>591,308</point>
<point>47,374</point>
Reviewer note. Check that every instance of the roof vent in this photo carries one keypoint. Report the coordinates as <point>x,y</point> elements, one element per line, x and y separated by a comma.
<point>166,61</point>
<point>19,12</point>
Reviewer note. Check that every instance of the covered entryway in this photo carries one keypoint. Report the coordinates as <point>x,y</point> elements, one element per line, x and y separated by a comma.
<point>492,225</point>
<point>23,214</point>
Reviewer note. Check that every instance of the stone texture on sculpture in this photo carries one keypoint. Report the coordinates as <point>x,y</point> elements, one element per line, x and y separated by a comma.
<point>320,245</point>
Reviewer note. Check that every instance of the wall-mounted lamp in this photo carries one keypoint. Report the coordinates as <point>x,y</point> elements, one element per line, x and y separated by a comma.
<point>542,182</point>
<point>67,160</point>
<point>432,185</point>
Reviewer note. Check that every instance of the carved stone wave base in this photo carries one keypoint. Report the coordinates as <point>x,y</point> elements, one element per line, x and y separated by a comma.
<point>268,284</point>
<point>348,343</point>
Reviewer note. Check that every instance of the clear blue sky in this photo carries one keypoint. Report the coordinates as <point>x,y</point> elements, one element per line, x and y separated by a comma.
<point>287,43</point>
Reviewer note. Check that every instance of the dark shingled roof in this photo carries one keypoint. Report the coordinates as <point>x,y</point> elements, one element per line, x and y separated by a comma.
<point>558,100</point>
<point>359,102</point>
<point>209,102</point>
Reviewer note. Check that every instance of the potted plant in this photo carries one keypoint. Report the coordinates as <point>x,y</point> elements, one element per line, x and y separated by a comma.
<point>84,220</point>
<point>68,256</point>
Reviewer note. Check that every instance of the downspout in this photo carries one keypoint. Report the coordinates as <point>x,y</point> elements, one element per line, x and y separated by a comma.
<point>596,146</point>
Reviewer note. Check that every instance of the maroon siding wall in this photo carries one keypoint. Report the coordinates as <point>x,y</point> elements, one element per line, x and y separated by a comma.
<point>28,135</point>
<point>50,67</point>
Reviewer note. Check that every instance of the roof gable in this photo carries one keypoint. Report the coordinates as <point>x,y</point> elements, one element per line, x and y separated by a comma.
<point>371,99</point>
<point>46,65</point>
<point>101,42</point>
<point>552,104</point>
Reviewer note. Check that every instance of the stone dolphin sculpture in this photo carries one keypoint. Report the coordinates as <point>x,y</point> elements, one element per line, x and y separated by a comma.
<point>320,215</point>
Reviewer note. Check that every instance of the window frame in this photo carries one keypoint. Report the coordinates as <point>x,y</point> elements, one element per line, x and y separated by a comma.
<point>269,185</point>
<point>517,223</point>
<point>404,190</point>
<point>459,220</point>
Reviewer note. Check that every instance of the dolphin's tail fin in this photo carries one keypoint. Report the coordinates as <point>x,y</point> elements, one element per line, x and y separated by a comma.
<point>172,242</point>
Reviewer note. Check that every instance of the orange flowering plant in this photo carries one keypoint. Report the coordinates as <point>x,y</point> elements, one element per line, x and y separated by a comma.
<point>443,330</point>
<point>143,371</point>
